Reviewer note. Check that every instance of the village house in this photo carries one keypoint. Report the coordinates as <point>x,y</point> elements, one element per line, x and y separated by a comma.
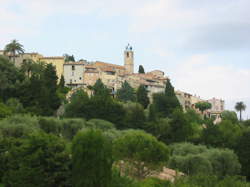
<point>83,74</point>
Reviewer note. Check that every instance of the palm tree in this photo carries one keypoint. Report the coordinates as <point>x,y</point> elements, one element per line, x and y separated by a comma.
<point>14,48</point>
<point>240,106</point>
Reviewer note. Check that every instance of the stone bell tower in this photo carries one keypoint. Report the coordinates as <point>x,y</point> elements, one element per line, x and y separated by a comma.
<point>129,59</point>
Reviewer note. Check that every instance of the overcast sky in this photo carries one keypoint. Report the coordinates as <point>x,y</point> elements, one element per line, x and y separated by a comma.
<point>202,45</point>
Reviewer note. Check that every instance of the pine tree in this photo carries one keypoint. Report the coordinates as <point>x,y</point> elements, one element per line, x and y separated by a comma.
<point>62,82</point>
<point>100,89</point>
<point>142,96</point>
<point>126,92</point>
<point>50,83</point>
<point>165,103</point>
<point>141,69</point>
<point>91,159</point>
<point>169,89</point>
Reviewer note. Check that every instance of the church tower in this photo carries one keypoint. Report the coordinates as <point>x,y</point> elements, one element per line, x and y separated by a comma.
<point>129,59</point>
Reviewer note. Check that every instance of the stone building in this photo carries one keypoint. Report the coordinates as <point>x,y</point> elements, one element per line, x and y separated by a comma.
<point>188,101</point>
<point>113,75</point>
<point>73,73</point>
<point>83,74</point>
<point>36,57</point>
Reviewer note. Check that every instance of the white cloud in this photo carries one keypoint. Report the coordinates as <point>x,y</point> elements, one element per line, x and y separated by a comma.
<point>197,76</point>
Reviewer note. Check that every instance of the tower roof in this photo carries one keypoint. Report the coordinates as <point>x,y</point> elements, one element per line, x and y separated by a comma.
<point>129,47</point>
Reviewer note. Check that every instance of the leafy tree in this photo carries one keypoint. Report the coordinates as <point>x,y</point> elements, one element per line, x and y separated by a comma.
<point>229,134</point>
<point>247,123</point>
<point>92,159</point>
<point>62,90</point>
<point>152,115</point>
<point>14,47</point>
<point>159,128</point>
<point>203,106</point>
<point>134,116</point>
<point>225,134</point>
<point>243,151</point>
<point>169,89</point>
<point>39,92</point>
<point>191,164</point>
<point>34,95</point>
<point>100,89</point>
<point>149,182</point>
<point>6,143</point>
<point>224,162</point>
<point>4,111</point>
<point>30,67</point>
<point>78,104</point>
<point>140,153</point>
<point>239,107</point>
<point>142,96</point>
<point>18,126</point>
<point>41,160</point>
<point>100,124</point>
<point>105,107</point>
<point>119,180</point>
<point>9,78</point>
<point>15,105</point>
<point>126,93</point>
<point>193,116</point>
<point>165,103</point>
<point>180,128</point>
<point>61,84</point>
<point>70,127</point>
<point>69,58</point>
<point>229,115</point>
<point>198,159</point>
<point>141,70</point>
<point>50,125</point>
<point>100,106</point>
<point>209,181</point>
<point>50,83</point>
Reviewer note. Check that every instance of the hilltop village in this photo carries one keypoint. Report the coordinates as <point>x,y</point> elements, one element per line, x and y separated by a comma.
<point>83,73</point>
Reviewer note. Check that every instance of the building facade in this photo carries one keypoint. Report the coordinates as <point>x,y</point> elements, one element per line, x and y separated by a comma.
<point>113,75</point>
<point>19,59</point>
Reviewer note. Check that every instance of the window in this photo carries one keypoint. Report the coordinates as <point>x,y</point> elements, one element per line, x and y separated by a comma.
<point>73,68</point>
<point>80,78</point>
<point>127,54</point>
<point>70,81</point>
<point>73,73</point>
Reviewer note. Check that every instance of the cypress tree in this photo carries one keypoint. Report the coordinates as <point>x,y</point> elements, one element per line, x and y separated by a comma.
<point>142,96</point>
<point>91,159</point>
<point>50,83</point>
<point>100,89</point>
<point>126,92</point>
<point>141,69</point>
<point>165,103</point>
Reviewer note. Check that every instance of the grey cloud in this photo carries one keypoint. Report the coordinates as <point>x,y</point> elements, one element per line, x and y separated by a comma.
<point>220,37</point>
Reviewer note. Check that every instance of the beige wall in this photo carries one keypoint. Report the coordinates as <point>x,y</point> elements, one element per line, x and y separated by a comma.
<point>57,62</point>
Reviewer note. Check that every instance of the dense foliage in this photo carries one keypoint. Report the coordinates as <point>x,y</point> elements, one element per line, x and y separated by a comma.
<point>104,140</point>
<point>91,159</point>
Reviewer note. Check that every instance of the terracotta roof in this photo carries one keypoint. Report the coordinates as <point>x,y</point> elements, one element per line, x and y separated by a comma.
<point>75,63</point>
<point>91,71</point>
<point>108,64</point>
<point>108,68</point>
<point>33,53</point>
<point>90,67</point>
<point>53,57</point>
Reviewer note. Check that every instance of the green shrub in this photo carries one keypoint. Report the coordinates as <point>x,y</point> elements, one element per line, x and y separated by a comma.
<point>18,126</point>
<point>41,160</point>
<point>91,159</point>
<point>100,124</point>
